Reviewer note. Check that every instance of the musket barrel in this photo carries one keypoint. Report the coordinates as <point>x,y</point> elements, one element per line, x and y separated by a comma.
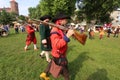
<point>52,24</point>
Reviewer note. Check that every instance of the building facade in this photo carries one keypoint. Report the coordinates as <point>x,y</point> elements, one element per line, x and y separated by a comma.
<point>115,15</point>
<point>13,7</point>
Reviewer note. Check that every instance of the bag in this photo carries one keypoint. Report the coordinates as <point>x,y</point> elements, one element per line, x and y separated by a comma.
<point>55,69</point>
<point>62,61</point>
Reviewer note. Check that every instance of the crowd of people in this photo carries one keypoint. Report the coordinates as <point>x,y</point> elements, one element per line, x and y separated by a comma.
<point>22,27</point>
<point>104,31</point>
<point>53,45</point>
<point>54,41</point>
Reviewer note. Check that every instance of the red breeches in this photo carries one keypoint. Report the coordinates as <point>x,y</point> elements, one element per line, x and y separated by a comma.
<point>28,41</point>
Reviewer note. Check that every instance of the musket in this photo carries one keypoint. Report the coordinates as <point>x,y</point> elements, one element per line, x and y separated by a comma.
<point>80,37</point>
<point>52,24</point>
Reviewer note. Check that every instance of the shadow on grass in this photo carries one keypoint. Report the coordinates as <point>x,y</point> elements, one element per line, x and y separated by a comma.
<point>77,64</point>
<point>100,74</point>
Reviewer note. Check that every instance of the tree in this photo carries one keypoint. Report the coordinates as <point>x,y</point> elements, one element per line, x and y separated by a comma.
<point>43,8</point>
<point>46,7</point>
<point>32,12</point>
<point>98,10</point>
<point>66,6</point>
<point>51,7</point>
<point>6,18</point>
<point>21,19</point>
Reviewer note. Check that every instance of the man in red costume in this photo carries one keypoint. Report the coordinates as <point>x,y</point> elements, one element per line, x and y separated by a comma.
<point>59,40</point>
<point>30,35</point>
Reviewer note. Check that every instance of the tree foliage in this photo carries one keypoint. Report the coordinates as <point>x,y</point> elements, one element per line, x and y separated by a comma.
<point>52,7</point>
<point>32,11</point>
<point>7,18</point>
<point>22,19</point>
<point>66,6</point>
<point>98,10</point>
<point>46,7</point>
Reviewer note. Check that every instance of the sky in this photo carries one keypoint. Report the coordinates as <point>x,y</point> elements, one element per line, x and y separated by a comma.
<point>22,4</point>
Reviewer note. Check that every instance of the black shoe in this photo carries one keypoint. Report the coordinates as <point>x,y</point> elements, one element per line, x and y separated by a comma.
<point>41,56</point>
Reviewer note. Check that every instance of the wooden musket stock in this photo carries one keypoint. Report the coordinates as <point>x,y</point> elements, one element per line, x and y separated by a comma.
<point>80,37</point>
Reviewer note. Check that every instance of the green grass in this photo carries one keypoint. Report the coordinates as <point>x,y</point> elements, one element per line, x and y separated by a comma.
<point>96,60</point>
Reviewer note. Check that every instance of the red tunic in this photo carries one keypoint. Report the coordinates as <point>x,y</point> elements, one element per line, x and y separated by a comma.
<point>58,42</point>
<point>31,35</point>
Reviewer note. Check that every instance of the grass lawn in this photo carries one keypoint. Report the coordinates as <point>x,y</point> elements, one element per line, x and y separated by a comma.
<point>96,60</point>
